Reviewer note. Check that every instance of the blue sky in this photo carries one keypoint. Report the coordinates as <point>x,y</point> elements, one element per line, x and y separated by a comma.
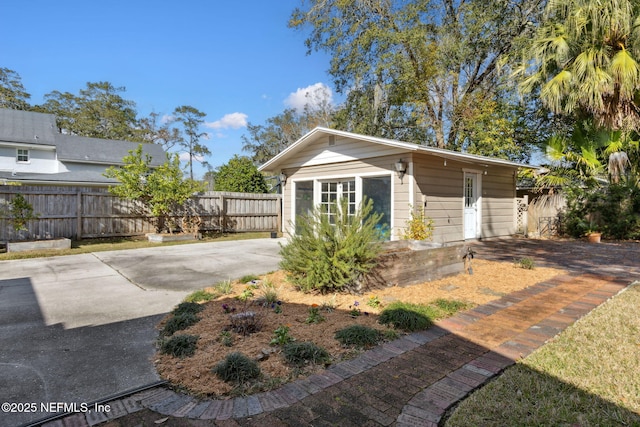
<point>236,61</point>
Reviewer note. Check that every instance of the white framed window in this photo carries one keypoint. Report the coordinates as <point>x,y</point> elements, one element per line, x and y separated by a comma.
<point>22,155</point>
<point>332,192</point>
<point>326,192</point>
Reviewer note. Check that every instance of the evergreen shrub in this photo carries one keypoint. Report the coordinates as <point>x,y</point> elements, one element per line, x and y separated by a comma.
<point>332,252</point>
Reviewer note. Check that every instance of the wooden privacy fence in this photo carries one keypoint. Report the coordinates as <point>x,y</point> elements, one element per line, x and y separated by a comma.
<point>87,212</point>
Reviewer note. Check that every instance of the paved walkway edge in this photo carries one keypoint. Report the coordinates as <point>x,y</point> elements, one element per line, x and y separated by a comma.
<point>426,408</point>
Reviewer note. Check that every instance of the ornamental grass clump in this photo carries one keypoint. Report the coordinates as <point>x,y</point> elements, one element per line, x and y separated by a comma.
<point>358,336</point>
<point>179,322</point>
<point>408,317</point>
<point>302,353</point>
<point>237,368</point>
<point>180,345</point>
<point>187,308</point>
<point>332,251</point>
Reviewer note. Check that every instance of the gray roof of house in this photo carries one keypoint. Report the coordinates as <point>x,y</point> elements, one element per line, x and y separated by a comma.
<point>66,178</point>
<point>80,149</point>
<point>27,127</point>
<point>39,128</point>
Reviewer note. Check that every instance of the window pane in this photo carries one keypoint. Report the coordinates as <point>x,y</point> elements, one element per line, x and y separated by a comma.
<point>378,189</point>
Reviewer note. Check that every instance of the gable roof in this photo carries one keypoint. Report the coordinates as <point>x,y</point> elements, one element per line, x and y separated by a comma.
<point>275,163</point>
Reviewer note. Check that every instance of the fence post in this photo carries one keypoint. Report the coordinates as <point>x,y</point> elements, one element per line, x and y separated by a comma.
<point>223,214</point>
<point>279,210</point>
<point>79,215</point>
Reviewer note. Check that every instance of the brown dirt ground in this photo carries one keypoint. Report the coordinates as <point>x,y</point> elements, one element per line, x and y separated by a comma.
<point>489,281</point>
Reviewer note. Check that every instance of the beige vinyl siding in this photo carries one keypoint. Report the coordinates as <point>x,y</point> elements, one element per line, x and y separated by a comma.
<point>443,187</point>
<point>366,167</point>
<point>498,202</point>
<point>320,152</point>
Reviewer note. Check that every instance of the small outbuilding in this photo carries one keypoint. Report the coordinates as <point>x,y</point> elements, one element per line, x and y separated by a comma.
<point>467,196</point>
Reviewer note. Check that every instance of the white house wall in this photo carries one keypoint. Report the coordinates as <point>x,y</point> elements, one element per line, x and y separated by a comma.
<point>40,161</point>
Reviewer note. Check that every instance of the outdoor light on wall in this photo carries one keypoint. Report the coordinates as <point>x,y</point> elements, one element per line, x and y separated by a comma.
<point>445,162</point>
<point>282,178</point>
<point>401,168</point>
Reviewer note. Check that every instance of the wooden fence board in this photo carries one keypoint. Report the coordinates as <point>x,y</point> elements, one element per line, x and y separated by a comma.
<point>84,212</point>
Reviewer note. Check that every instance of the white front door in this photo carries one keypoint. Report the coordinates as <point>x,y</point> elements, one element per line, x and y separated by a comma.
<point>471,215</point>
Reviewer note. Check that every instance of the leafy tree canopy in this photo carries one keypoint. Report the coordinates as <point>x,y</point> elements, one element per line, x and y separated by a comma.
<point>240,174</point>
<point>12,93</point>
<point>414,70</point>
<point>98,111</point>
<point>583,61</point>
<point>162,191</point>
<point>191,118</point>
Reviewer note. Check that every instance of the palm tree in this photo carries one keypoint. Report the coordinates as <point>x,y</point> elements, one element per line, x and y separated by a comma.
<point>584,64</point>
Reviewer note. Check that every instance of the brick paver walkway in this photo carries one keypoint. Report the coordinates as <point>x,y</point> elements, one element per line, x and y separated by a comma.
<point>412,381</point>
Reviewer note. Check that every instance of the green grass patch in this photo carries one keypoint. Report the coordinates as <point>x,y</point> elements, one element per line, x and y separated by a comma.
<point>587,376</point>
<point>201,296</point>
<point>415,317</point>
<point>248,278</point>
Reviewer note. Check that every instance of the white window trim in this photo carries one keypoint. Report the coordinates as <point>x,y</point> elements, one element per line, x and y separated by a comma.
<point>18,155</point>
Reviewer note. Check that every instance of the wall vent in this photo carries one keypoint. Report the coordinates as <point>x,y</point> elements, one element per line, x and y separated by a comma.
<point>332,140</point>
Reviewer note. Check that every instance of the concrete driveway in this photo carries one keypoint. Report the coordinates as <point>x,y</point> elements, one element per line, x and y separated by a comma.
<point>81,328</point>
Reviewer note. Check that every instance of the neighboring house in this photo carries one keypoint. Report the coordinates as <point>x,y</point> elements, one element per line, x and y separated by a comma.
<point>467,196</point>
<point>32,151</point>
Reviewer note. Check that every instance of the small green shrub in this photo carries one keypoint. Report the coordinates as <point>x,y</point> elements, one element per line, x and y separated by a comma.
<point>246,322</point>
<point>526,263</point>
<point>314,315</point>
<point>449,307</point>
<point>374,301</point>
<point>21,212</point>
<point>301,353</point>
<point>179,323</point>
<point>225,287</point>
<point>407,317</point>
<point>200,296</point>
<point>180,345</point>
<point>419,227</point>
<point>237,367</point>
<point>226,339</point>
<point>269,292</point>
<point>281,336</point>
<point>248,278</point>
<point>332,252</point>
<point>187,308</point>
<point>358,335</point>
<point>246,294</point>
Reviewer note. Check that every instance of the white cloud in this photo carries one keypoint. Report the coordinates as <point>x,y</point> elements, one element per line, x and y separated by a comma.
<point>229,121</point>
<point>314,95</point>
<point>184,157</point>
<point>167,118</point>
